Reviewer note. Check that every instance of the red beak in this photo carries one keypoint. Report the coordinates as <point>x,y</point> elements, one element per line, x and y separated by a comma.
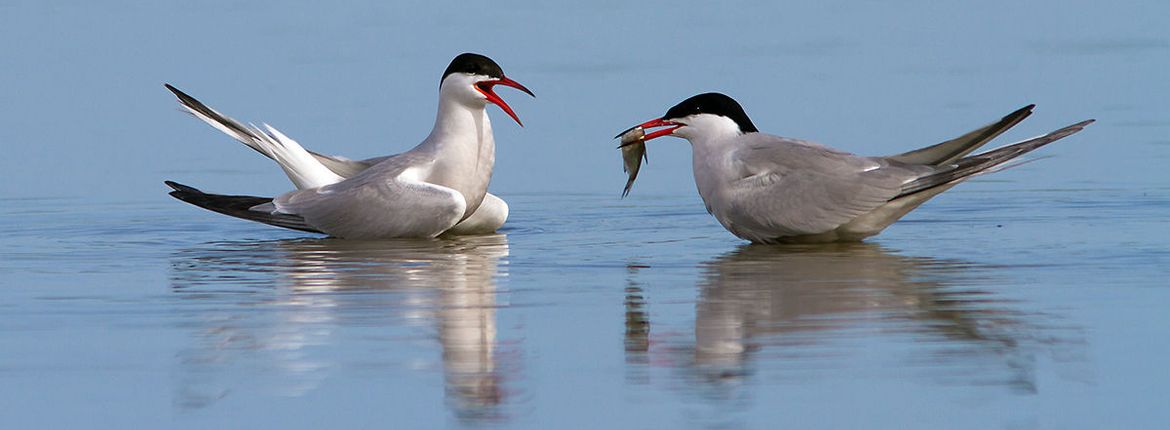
<point>485,87</point>
<point>653,124</point>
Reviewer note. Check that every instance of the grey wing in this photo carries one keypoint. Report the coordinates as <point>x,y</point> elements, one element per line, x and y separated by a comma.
<point>377,203</point>
<point>990,161</point>
<point>959,147</point>
<point>345,167</point>
<point>791,187</point>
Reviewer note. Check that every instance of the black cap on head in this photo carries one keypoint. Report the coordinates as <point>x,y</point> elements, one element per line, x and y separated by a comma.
<point>474,64</point>
<point>715,104</point>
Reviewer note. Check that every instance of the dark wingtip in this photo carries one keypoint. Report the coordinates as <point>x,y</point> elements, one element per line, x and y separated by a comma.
<point>1023,112</point>
<point>1074,128</point>
<point>180,188</point>
<point>183,97</point>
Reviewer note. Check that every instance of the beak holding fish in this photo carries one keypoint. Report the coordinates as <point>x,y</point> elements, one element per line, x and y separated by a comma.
<point>633,146</point>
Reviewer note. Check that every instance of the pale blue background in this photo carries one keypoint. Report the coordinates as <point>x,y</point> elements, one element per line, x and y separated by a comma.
<point>120,307</point>
<point>83,82</point>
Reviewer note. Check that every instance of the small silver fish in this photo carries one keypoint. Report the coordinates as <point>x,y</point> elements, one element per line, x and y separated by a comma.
<point>633,152</point>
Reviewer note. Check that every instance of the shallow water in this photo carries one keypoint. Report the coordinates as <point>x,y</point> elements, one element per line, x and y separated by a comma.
<point>1032,298</point>
<point>977,312</point>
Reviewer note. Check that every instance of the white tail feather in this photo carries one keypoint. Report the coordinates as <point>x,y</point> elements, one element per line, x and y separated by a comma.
<point>301,167</point>
<point>245,139</point>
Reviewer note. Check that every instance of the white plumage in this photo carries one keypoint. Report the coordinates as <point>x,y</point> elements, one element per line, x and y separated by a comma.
<point>439,186</point>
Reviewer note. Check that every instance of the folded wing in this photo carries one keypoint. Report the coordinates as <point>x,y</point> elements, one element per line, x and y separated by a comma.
<point>373,206</point>
<point>789,187</point>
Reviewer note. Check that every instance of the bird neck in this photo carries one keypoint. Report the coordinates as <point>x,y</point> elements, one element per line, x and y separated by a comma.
<point>462,137</point>
<point>460,126</point>
<point>711,145</point>
<point>709,155</point>
<point>462,149</point>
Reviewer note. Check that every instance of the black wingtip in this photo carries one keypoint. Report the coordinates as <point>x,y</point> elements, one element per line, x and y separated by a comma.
<point>1023,112</point>
<point>238,206</point>
<point>180,188</point>
<point>183,97</point>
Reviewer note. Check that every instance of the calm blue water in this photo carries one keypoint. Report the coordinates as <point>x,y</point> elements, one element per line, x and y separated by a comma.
<point>1034,298</point>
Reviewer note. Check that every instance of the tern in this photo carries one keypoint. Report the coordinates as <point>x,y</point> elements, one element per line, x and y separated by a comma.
<point>438,187</point>
<point>772,189</point>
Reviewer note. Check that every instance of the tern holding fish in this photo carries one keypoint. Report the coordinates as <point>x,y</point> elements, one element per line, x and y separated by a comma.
<point>438,187</point>
<point>771,189</point>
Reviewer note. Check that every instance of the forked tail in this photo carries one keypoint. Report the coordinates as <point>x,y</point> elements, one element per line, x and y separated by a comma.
<point>987,162</point>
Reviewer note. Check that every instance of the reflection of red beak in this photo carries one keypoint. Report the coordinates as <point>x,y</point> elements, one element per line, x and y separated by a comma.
<point>652,124</point>
<point>485,87</point>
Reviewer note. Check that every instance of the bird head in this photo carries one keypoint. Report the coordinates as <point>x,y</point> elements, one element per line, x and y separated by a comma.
<point>708,114</point>
<point>470,79</point>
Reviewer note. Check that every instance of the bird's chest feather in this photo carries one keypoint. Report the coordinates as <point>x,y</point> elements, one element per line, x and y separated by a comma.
<point>733,191</point>
<point>717,177</point>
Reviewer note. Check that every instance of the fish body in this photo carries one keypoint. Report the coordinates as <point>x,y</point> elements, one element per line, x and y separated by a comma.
<point>633,148</point>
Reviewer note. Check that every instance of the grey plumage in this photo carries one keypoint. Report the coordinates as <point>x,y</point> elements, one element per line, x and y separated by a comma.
<point>987,161</point>
<point>954,149</point>
<point>767,188</point>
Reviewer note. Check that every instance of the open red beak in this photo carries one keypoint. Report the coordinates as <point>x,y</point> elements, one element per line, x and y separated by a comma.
<point>485,87</point>
<point>654,123</point>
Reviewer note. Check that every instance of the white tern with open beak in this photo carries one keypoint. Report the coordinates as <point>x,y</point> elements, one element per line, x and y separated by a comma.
<point>438,187</point>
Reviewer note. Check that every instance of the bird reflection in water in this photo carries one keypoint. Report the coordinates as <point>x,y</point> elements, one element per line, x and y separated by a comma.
<point>637,334</point>
<point>315,289</point>
<point>797,310</point>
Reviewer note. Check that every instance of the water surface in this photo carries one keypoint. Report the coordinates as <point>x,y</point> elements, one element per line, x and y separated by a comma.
<point>1033,298</point>
<point>973,313</point>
